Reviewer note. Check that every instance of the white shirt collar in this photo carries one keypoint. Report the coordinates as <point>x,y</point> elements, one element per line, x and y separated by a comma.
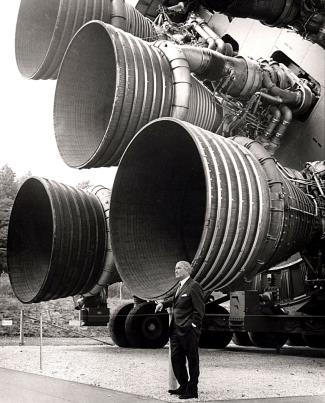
<point>182,282</point>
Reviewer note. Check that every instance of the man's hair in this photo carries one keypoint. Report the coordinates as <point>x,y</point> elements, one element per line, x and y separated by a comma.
<point>185,265</point>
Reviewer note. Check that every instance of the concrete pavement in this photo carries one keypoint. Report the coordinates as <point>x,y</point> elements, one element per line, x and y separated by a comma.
<point>23,387</point>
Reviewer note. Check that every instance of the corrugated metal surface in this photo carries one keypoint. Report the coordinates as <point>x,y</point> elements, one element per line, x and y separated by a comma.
<point>110,85</point>
<point>183,193</point>
<point>56,241</point>
<point>45,28</point>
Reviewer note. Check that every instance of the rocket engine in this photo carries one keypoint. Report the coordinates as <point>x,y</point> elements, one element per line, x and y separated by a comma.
<point>183,193</point>
<point>196,129</point>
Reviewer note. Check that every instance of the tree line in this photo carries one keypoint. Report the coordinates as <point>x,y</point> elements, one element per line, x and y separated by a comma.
<point>9,185</point>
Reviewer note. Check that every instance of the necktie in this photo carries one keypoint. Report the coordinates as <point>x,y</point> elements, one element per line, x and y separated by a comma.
<point>178,289</point>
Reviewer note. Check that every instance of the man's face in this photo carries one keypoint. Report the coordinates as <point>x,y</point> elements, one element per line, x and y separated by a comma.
<point>180,273</point>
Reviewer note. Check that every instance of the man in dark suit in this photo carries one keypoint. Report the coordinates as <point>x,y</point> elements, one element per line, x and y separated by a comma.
<point>184,332</point>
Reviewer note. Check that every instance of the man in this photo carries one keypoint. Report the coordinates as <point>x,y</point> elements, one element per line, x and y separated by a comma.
<point>184,332</point>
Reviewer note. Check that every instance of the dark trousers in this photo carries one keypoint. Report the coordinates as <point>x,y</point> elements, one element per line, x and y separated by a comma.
<point>184,347</point>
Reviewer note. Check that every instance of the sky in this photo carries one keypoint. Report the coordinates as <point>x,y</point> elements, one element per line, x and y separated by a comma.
<point>27,140</point>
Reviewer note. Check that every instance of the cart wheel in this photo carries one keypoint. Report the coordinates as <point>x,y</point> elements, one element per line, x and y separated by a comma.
<point>146,329</point>
<point>268,340</point>
<point>314,341</point>
<point>116,325</point>
<point>296,340</point>
<point>210,336</point>
<point>242,339</point>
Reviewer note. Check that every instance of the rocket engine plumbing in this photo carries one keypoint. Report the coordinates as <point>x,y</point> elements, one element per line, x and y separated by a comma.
<point>212,176</point>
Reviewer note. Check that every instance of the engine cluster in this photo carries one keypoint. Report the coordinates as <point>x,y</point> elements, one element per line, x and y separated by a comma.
<point>195,127</point>
<point>259,97</point>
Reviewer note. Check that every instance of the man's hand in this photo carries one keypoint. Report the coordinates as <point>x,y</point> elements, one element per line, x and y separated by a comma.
<point>159,307</point>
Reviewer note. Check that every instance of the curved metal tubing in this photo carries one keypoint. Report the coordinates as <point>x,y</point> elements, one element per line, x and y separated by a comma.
<point>45,27</point>
<point>183,193</point>
<point>181,78</point>
<point>110,85</point>
<point>56,241</point>
<point>109,272</point>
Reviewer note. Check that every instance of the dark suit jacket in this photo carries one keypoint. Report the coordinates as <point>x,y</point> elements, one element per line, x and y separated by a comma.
<point>188,307</point>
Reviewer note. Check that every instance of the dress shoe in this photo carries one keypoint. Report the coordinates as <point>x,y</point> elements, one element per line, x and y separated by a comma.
<point>179,391</point>
<point>188,395</point>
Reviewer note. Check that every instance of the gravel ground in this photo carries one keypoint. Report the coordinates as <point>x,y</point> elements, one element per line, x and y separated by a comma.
<point>234,373</point>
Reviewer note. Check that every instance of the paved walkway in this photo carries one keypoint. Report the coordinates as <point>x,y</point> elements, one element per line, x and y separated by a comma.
<point>22,387</point>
